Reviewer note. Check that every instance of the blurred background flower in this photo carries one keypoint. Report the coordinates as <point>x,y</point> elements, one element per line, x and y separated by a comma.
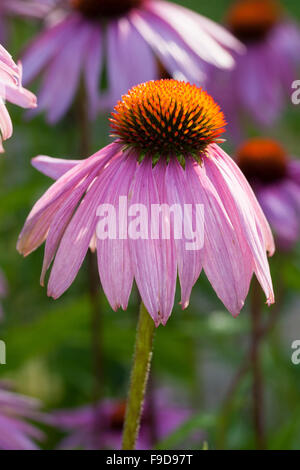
<point>26,8</point>
<point>118,44</point>
<point>11,90</point>
<point>275,178</point>
<point>100,426</point>
<point>16,432</point>
<point>260,85</point>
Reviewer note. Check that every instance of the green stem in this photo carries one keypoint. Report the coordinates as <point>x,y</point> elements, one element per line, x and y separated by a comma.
<point>139,378</point>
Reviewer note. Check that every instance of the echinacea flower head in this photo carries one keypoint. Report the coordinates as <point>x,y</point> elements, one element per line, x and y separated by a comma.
<point>100,426</point>
<point>11,90</point>
<point>165,161</point>
<point>275,179</point>
<point>119,44</point>
<point>16,433</point>
<point>260,84</point>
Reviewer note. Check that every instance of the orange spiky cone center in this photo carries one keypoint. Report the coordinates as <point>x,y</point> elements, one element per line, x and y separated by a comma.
<point>262,160</point>
<point>104,8</point>
<point>252,20</point>
<point>167,117</point>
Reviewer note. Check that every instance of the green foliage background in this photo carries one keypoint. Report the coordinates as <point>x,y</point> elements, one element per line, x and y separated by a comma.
<point>49,342</point>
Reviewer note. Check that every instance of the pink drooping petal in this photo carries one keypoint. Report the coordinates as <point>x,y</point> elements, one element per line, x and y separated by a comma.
<point>281,213</point>
<point>71,232</point>
<point>61,221</point>
<point>12,438</point>
<point>6,60</point>
<point>231,168</point>
<point>46,46</point>
<point>189,261</point>
<point>292,190</point>
<point>168,47</point>
<point>217,31</point>
<point>75,242</point>
<point>256,229</point>
<point>197,39</point>
<point>130,59</point>
<point>222,260</point>
<point>115,267</point>
<point>11,90</point>
<point>294,170</point>
<point>286,39</point>
<point>21,97</point>
<point>53,167</point>
<point>154,260</point>
<point>228,201</point>
<point>15,432</point>
<point>11,84</point>
<point>258,75</point>
<point>32,9</point>
<point>54,97</point>
<point>39,220</point>
<point>166,254</point>
<point>5,122</point>
<point>93,69</point>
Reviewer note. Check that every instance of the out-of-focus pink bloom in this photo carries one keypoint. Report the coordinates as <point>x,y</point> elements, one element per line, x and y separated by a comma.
<point>165,153</point>
<point>16,433</point>
<point>275,179</point>
<point>3,291</point>
<point>260,83</point>
<point>11,90</point>
<point>129,41</point>
<point>31,8</point>
<point>101,426</point>
<point>27,8</point>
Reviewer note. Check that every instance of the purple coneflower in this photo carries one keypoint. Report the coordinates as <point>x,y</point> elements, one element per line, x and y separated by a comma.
<point>275,178</point>
<point>100,427</point>
<point>15,432</point>
<point>261,81</point>
<point>11,90</point>
<point>165,153</point>
<point>121,43</point>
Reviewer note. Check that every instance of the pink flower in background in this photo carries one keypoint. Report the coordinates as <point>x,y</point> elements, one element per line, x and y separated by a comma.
<point>100,426</point>
<point>121,44</point>
<point>165,153</point>
<point>3,291</point>
<point>11,90</point>
<point>275,178</point>
<point>15,432</point>
<point>31,8</point>
<point>260,84</point>
<point>27,8</point>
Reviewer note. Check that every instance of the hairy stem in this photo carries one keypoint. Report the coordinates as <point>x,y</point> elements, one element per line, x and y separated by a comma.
<point>139,378</point>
